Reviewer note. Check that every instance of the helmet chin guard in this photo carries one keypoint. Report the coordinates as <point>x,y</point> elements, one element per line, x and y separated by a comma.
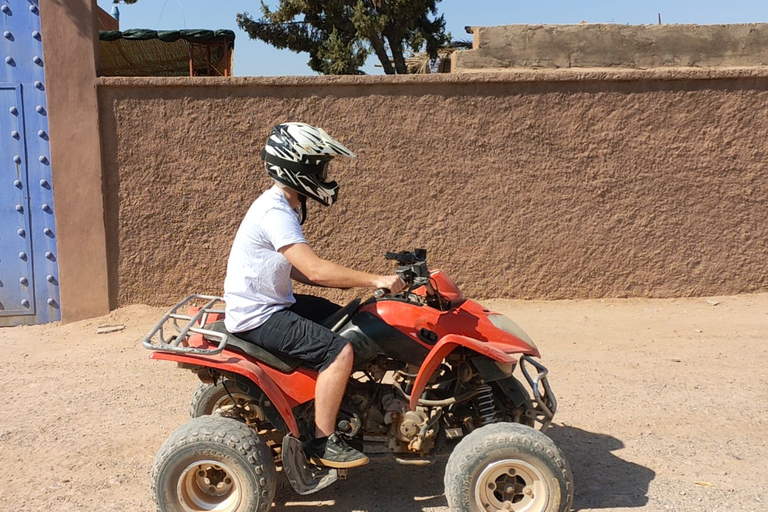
<point>297,155</point>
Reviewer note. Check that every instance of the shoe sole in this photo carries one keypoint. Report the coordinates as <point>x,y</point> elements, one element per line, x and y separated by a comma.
<point>339,465</point>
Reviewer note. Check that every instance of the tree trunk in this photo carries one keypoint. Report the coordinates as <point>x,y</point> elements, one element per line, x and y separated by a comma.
<point>398,56</point>
<point>381,53</point>
<point>395,40</point>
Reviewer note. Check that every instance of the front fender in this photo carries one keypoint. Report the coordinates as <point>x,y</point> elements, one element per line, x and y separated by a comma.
<point>440,351</point>
<point>229,362</point>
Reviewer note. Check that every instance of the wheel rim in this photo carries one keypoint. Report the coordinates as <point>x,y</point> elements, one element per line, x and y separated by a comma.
<point>209,485</point>
<point>240,399</point>
<point>511,485</point>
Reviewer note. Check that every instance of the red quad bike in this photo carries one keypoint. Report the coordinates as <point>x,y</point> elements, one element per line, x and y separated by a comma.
<point>434,374</point>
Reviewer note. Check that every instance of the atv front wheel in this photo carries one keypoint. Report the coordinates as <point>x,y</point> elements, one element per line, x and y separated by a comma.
<point>506,467</point>
<point>214,463</point>
<point>209,397</point>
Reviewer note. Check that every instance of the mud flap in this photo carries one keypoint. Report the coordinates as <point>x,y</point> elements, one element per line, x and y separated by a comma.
<point>305,478</point>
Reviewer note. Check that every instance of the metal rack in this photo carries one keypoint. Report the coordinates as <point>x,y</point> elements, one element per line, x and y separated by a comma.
<point>546,403</point>
<point>171,336</point>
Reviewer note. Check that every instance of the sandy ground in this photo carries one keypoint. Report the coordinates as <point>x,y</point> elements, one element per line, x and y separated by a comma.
<point>663,405</point>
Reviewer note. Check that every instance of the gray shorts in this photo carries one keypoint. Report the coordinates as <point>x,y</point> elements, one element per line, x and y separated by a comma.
<point>295,332</point>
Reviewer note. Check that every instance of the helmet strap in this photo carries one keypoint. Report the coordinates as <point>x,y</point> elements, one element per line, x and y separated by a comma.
<point>303,200</point>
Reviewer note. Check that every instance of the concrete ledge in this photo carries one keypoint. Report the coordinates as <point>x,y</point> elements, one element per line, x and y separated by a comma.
<point>612,45</point>
<point>461,77</point>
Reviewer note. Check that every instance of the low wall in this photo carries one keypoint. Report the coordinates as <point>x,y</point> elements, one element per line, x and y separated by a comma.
<point>524,185</point>
<point>614,45</point>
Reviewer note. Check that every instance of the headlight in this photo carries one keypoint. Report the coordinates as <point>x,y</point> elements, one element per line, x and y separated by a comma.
<point>507,325</point>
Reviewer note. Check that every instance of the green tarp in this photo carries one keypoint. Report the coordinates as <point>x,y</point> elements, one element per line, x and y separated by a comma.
<point>169,36</point>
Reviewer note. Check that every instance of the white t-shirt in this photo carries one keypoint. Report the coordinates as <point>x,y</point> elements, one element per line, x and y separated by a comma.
<point>258,281</point>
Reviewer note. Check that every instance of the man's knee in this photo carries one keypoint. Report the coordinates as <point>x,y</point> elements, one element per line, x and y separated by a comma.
<point>345,357</point>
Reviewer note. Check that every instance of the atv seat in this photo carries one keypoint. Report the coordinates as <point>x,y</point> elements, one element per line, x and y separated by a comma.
<point>282,362</point>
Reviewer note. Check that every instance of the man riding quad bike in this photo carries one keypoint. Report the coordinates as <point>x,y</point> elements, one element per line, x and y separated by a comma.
<point>431,371</point>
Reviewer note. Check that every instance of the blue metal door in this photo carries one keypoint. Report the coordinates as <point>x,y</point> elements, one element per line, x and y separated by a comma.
<point>28,270</point>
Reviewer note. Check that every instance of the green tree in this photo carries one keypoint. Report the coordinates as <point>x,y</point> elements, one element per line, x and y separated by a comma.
<point>340,34</point>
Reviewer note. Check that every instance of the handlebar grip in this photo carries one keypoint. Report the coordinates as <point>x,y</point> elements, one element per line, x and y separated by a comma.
<point>380,292</point>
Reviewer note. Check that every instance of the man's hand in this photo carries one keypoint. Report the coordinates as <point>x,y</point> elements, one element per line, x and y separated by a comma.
<point>393,283</point>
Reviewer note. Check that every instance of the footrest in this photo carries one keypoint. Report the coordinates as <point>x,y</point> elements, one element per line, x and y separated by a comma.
<point>305,477</point>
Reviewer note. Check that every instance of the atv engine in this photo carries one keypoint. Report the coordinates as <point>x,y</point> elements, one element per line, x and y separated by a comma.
<point>409,431</point>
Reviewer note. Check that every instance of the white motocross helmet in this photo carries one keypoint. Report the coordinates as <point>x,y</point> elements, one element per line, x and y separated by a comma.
<point>297,155</point>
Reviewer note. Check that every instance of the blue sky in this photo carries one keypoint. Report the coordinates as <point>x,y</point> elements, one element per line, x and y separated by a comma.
<point>256,58</point>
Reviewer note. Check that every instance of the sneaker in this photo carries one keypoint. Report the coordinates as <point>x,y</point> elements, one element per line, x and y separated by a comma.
<point>335,453</point>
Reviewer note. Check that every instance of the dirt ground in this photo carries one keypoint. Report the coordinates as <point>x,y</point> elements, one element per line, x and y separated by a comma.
<point>663,405</point>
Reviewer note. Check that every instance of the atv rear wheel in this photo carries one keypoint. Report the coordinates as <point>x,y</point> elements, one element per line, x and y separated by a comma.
<point>209,397</point>
<point>508,467</point>
<point>214,463</point>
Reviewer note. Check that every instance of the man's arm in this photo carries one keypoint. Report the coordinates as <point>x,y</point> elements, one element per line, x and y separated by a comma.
<point>298,276</point>
<point>309,268</point>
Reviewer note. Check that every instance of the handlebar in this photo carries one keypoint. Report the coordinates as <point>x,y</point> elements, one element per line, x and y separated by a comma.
<point>412,269</point>
<point>407,257</point>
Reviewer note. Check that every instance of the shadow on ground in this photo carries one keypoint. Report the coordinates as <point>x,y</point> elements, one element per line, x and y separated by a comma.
<point>383,485</point>
<point>601,479</point>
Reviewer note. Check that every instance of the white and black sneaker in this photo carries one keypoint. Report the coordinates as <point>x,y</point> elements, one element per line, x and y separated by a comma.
<point>334,452</point>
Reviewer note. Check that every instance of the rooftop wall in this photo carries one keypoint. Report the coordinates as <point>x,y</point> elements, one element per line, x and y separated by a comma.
<point>106,21</point>
<point>563,184</point>
<point>613,45</point>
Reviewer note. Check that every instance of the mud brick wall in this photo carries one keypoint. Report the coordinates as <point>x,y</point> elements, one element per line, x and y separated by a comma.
<point>602,45</point>
<point>538,184</point>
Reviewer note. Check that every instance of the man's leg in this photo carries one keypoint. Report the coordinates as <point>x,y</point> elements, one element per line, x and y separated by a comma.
<point>332,356</point>
<point>328,448</point>
<point>332,382</point>
<point>329,391</point>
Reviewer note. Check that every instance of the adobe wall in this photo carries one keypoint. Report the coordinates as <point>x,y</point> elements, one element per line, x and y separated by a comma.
<point>542,184</point>
<point>71,54</point>
<point>614,45</point>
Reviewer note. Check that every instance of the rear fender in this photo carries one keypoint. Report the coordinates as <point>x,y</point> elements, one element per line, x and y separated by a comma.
<point>440,351</point>
<point>229,362</point>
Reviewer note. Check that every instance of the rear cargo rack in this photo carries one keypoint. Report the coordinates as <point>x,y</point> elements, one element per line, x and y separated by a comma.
<point>171,336</point>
